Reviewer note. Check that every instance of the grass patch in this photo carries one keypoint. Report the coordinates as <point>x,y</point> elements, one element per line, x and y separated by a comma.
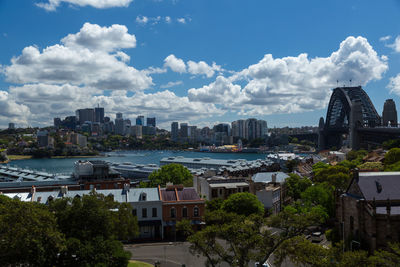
<point>133,263</point>
<point>17,157</point>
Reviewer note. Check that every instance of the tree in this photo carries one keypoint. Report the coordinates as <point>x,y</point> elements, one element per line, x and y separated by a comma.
<point>337,176</point>
<point>184,228</point>
<point>214,204</point>
<point>92,224</point>
<point>243,204</point>
<point>320,194</point>
<point>29,234</point>
<point>174,173</point>
<point>392,156</point>
<point>238,238</point>
<point>296,184</point>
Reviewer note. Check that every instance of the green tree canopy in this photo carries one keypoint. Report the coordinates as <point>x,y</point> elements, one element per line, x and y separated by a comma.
<point>392,156</point>
<point>243,204</point>
<point>296,184</point>
<point>174,173</point>
<point>92,224</point>
<point>320,194</point>
<point>337,176</point>
<point>29,234</point>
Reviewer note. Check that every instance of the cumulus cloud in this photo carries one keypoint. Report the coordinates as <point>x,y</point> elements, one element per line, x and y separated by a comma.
<point>294,84</point>
<point>91,57</point>
<point>11,111</point>
<point>168,19</point>
<point>142,20</point>
<point>396,44</point>
<point>171,84</point>
<point>175,64</point>
<point>203,68</point>
<point>44,101</point>
<point>52,5</point>
<point>394,84</point>
<point>385,38</point>
<point>192,67</point>
<point>95,37</point>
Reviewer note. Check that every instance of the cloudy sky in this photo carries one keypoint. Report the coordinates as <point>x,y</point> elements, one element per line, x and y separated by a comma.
<point>194,61</point>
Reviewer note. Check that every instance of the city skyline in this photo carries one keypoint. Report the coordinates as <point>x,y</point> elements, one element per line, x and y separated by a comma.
<point>201,63</point>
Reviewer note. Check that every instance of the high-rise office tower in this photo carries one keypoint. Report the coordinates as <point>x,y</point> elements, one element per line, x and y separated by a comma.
<point>174,131</point>
<point>99,114</point>
<point>119,124</point>
<point>184,130</point>
<point>140,120</point>
<point>86,114</point>
<point>151,122</point>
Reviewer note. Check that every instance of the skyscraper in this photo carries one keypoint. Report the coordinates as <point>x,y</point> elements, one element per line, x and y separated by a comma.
<point>184,130</point>
<point>119,124</point>
<point>99,114</point>
<point>151,122</point>
<point>140,120</point>
<point>86,114</point>
<point>174,131</point>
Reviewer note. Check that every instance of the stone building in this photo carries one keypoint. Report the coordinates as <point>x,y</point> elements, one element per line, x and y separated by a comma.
<point>368,213</point>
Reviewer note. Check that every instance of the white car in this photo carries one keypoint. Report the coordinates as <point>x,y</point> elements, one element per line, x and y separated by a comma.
<point>265,264</point>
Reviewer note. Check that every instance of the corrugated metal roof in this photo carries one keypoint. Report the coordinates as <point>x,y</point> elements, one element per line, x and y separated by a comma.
<point>266,177</point>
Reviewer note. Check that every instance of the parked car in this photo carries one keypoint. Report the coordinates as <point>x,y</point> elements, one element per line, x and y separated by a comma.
<point>316,237</point>
<point>265,264</point>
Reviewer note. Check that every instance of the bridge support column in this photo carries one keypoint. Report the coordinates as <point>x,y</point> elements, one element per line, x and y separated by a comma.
<point>356,119</point>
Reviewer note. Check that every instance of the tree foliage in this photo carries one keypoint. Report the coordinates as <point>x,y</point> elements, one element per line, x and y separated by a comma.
<point>337,176</point>
<point>243,204</point>
<point>295,185</point>
<point>392,156</point>
<point>237,238</point>
<point>174,173</point>
<point>29,234</point>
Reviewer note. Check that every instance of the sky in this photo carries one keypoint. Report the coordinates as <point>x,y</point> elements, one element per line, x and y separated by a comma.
<point>201,62</point>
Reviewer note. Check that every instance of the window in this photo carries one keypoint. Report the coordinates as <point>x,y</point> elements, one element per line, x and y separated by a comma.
<point>144,213</point>
<point>173,213</point>
<point>98,186</point>
<point>184,212</point>
<point>143,196</point>
<point>196,212</point>
<point>220,191</point>
<point>154,212</point>
<point>214,193</point>
<point>134,212</point>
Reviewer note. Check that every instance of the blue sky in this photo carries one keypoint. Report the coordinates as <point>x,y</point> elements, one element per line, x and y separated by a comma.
<point>193,61</point>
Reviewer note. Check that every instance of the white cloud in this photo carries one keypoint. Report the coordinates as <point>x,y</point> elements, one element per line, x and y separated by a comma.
<point>11,111</point>
<point>222,91</point>
<point>90,58</point>
<point>53,4</point>
<point>294,84</point>
<point>181,20</point>
<point>385,38</point>
<point>43,102</point>
<point>171,84</point>
<point>175,64</point>
<point>168,19</point>
<point>142,20</point>
<point>94,37</point>
<point>394,84</point>
<point>202,68</point>
<point>396,44</point>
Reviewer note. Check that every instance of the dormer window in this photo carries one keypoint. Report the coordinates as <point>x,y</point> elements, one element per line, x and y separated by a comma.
<point>143,196</point>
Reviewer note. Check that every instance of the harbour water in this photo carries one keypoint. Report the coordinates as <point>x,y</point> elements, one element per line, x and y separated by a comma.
<point>65,165</point>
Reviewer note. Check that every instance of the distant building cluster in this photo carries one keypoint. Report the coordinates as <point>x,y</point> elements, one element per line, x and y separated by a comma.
<point>220,134</point>
<point>93,121</point>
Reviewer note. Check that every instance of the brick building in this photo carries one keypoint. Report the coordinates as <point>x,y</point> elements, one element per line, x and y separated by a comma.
<point>368,213</point>
<point>180,203</point>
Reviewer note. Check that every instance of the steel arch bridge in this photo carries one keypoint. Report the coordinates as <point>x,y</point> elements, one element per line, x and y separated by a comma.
<point>337,123</point>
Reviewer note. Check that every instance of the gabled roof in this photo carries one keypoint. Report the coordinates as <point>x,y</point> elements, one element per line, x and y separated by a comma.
<point>380,185</point>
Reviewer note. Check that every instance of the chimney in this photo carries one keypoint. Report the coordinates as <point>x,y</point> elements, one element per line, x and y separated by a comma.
<point>356,175</point>
<point>273,178</point>
<point>127,186</point>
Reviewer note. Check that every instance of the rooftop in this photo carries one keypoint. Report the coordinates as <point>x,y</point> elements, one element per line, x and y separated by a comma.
<point>380,185</point>
<point>266,177</point>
